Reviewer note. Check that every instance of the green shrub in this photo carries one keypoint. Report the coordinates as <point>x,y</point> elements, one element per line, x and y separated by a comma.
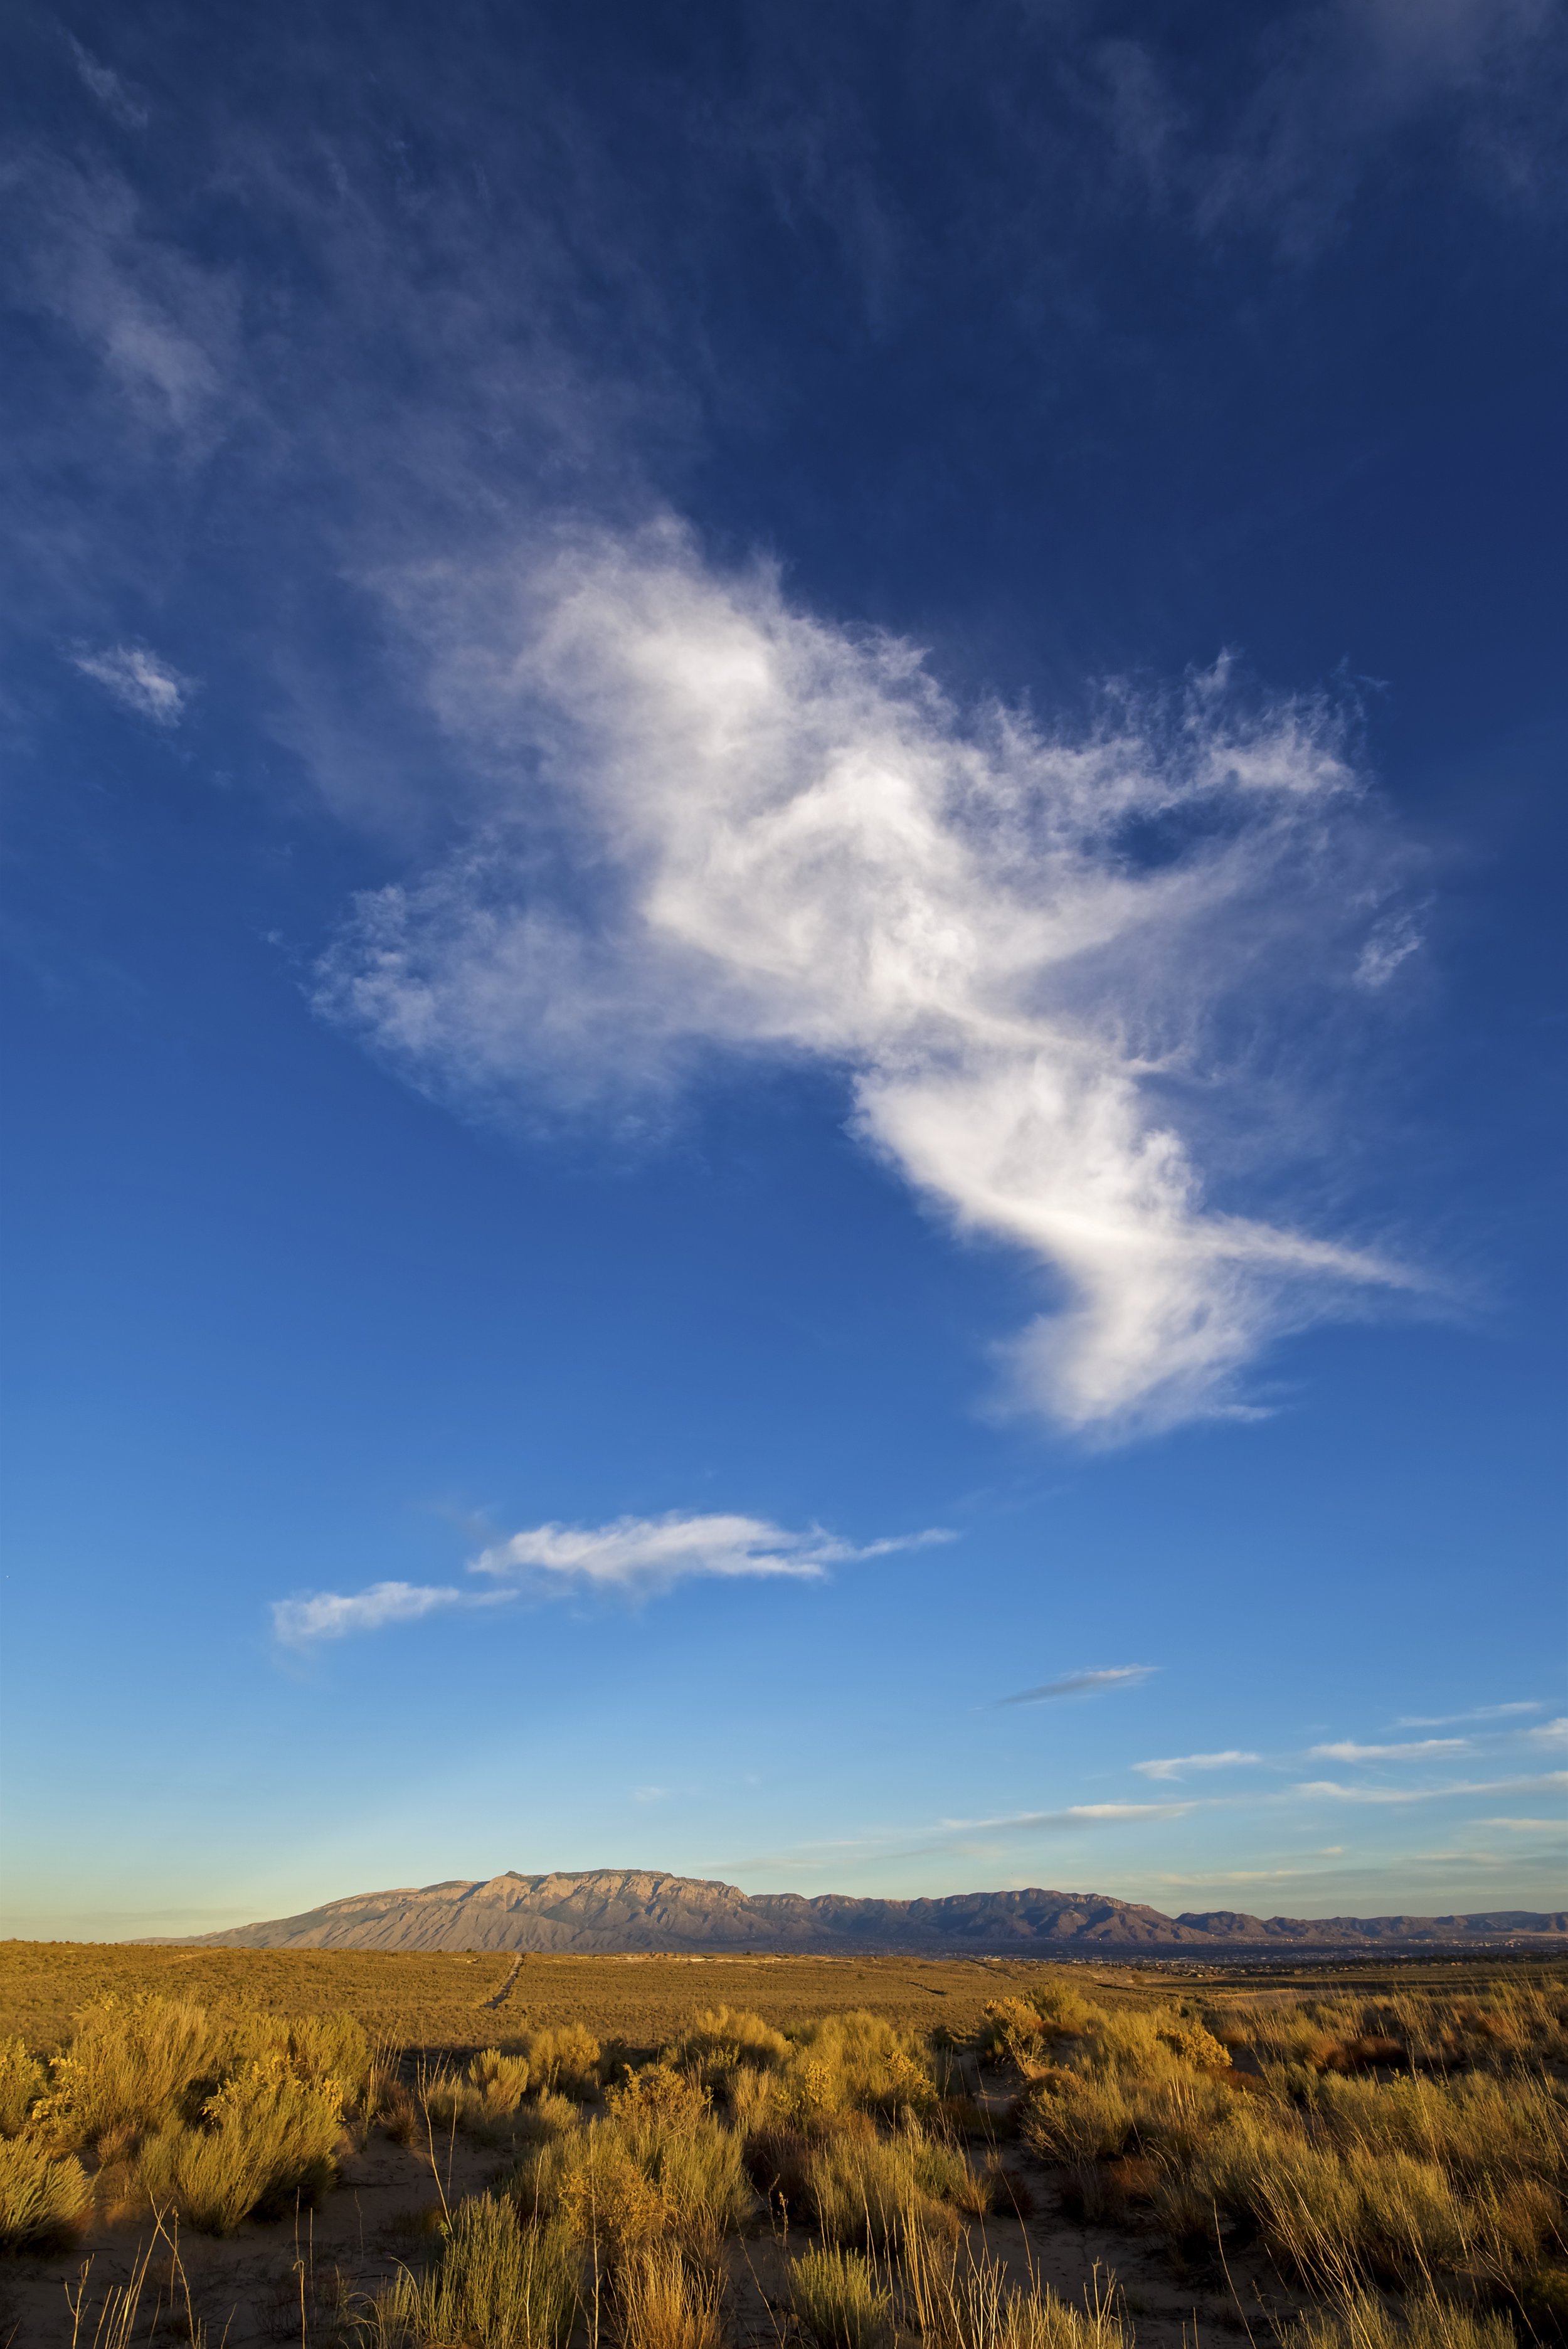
<point>331,2052</point>
<point>500,2081</point>
<point>724,2037</point>
<point>495,2286</point>
<point>133,2065</point>
<point>873,2190</point>
<point>565,2060</point>
<point>264,2137</point>
<point>640,2172</point>
<point>1074,2117</point>
<point>43,2195</point>
<point>854,2062</point>
<point>838,2303</point>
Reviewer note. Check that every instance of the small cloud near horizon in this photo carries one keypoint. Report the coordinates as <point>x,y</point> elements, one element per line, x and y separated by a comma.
<point>1090,1681</point>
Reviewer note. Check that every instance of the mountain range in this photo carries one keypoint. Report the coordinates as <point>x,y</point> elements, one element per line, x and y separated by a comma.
<point>612,1911</point>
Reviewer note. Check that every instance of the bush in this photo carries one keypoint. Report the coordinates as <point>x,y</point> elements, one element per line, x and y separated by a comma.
<point>639,2173</point>
<point>657,2099</point>
<point>873,2190</point>
<point>501,2082</point>
<point>330,2052</point>
<point>1073,2117</point>
<point>497,2285</point>
<point>264,2137</point>
<point>132,2067</point>
<point>837,2301</point>
<point>854,2062</point>
<point>43,2195</point>
<point>21,2085</point>
<point>565,2060</point>
<point>723,2038</point>
<point>484,2099</point>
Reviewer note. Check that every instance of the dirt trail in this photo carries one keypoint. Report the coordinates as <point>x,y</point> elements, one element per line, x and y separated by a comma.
<point>504,1992</point>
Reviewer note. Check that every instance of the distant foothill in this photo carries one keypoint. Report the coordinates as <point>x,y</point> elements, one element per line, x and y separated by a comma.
<point>609,1911</point>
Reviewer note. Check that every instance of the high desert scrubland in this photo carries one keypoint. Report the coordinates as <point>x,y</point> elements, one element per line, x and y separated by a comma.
<point>382,2152</point>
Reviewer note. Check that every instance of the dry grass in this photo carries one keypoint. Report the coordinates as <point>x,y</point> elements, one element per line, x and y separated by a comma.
<point>1398,2155</point>
<point>663,2299</point>
<point>959,2298</point>
<point>1355,2143</point>
<point>1362,2321</point>
<point>441,2002</point>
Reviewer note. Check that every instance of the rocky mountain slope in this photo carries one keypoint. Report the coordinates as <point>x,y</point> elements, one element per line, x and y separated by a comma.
<point>612,1909</point>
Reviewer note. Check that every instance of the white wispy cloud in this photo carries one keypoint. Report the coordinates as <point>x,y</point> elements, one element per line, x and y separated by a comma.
<point>165,328</point>
<point>650,1554</point>
<point>1044,963</point>
<point>332,1615</point>
<point>638,1556</point>
<point>108,88</point>
<point>1551,1732</point>
<point>1475,1712</point>
<point>1090,1681</point>
<point>1418,1749</point>
<point>1174,1765</point>
<point>140,680</point>
<point>1336,1791</point>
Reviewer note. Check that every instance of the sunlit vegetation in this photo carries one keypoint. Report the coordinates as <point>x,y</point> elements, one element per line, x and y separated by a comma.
<point>1381,2171</point>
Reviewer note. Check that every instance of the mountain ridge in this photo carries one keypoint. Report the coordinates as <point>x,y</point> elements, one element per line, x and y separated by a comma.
<point>628,1912</point>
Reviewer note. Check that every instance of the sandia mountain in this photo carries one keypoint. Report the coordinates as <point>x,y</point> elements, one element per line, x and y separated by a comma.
<point>611,1910</point>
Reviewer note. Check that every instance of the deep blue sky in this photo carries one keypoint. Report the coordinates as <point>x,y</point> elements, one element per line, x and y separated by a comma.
<point>529,1008</point>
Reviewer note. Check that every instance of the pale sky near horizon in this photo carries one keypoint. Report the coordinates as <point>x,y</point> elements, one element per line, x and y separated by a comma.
<point>782,948</point>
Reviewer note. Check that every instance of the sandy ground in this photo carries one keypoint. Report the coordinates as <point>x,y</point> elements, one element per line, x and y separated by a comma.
<point>284,2283</point>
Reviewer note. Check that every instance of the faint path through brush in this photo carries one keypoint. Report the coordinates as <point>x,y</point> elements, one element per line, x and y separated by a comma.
<point>504,1992</point>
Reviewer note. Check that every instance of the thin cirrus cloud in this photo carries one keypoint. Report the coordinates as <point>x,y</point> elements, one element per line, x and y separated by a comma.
<point>1337,1792</point>
<point>1044,961</point>
<point>1174,1764</point>
<point>1417,1749</point>
<point>108,88</point>
<point>1092,1681</point>
<point>1476,1713</point>
<point>137,680</point>
<point>640,1557</point>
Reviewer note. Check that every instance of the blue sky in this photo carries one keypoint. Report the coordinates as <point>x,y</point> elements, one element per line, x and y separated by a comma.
<point>784,1024</point>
